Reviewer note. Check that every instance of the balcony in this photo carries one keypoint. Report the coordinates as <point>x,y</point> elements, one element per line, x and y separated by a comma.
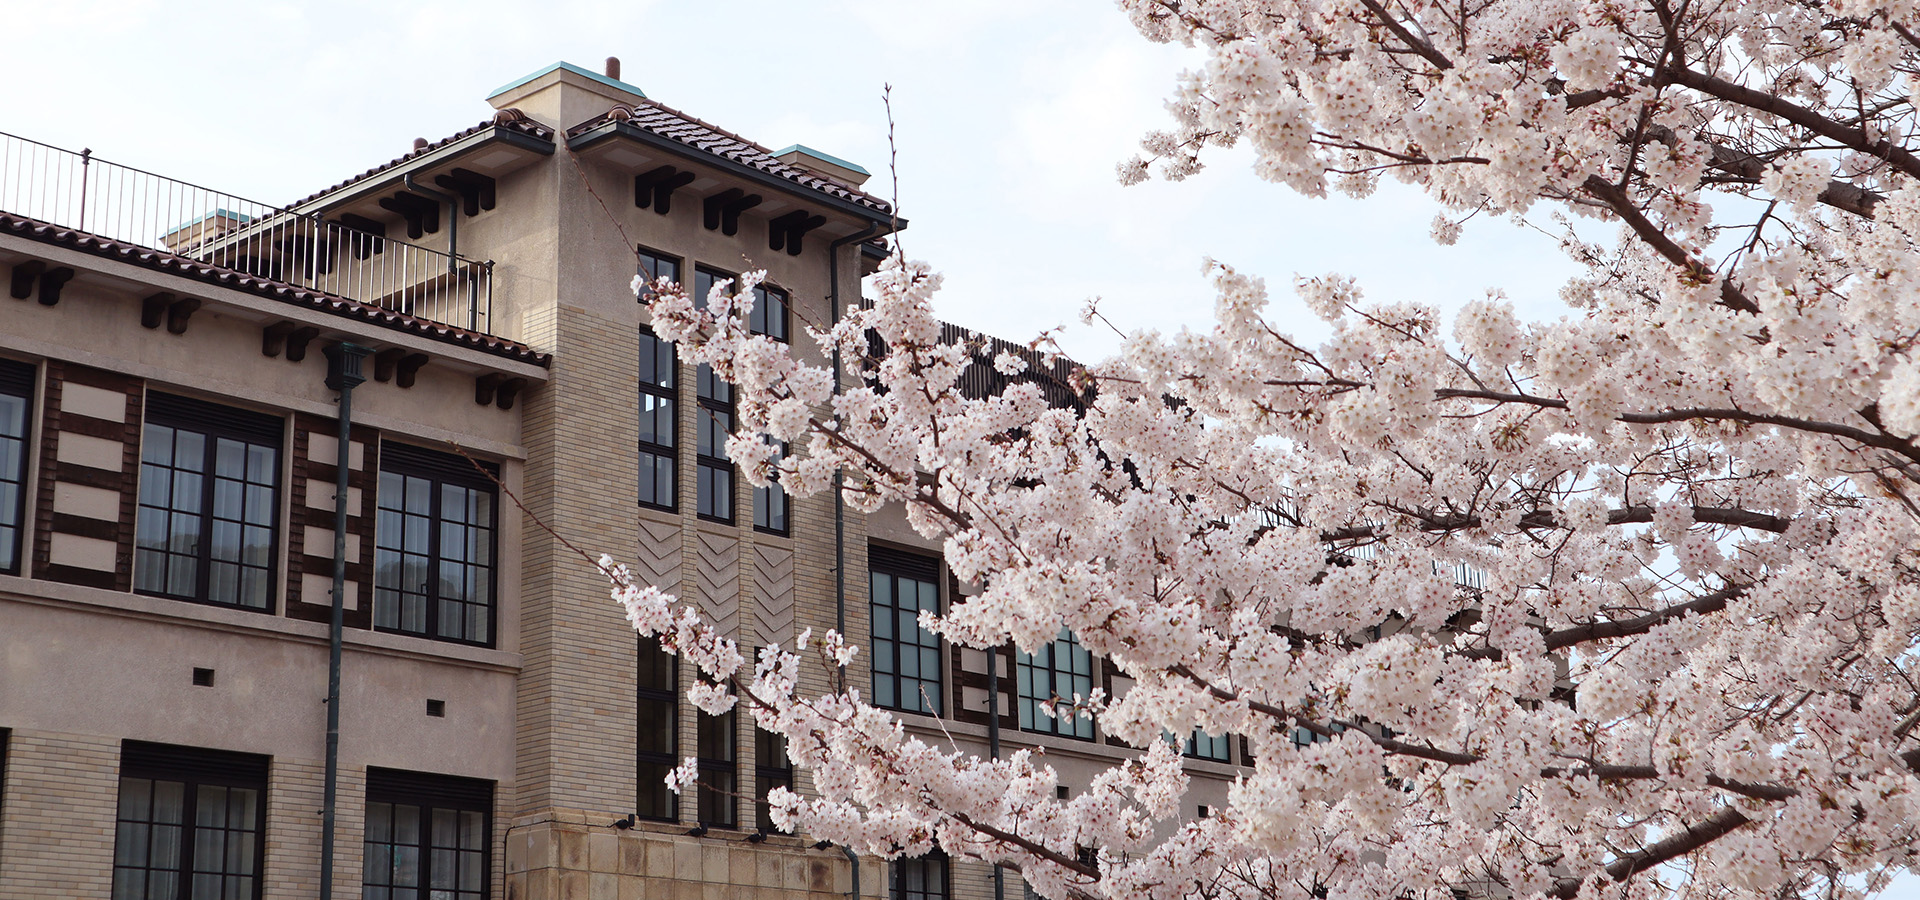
<point>355,261</point>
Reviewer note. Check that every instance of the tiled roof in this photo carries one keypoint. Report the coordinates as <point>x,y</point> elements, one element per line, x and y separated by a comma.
<point>510,119</point>
<point>670,123</point>
<point>158,260</point>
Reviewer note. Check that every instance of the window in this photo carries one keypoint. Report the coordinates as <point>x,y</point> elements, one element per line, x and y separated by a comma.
<point>1305,736</point>
<point>189,824</point>
<point>715,423</point>
<point>659,368</point>
<point>771,769</point>
<point>770,503</point>
<point>653,267</point>
<point>657,731</point>
<point>16,407</point>
<point>1048,681</point>
<point>719,778</point>
<point>1202,745</point>
<point>920,878</point>
<point>426,837</point>
<point>906,657</point>
<point>209,485</point>
<point>769,316</point>
<point>703,281</point>
<point>433,547</point>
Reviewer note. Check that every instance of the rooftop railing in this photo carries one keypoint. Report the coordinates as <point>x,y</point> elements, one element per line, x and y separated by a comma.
<point>134,206</point>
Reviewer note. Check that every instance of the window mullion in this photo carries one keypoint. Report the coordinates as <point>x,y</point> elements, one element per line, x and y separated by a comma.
<point>434,528</point>
<point>203,552</point>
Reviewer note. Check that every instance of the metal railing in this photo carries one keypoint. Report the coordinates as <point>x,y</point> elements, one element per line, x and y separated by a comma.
<point>133,206</point>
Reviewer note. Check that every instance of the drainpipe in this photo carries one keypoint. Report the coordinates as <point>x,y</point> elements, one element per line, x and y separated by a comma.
<point>839,502</point>
<point>993,748</point>
<point>343,374</point>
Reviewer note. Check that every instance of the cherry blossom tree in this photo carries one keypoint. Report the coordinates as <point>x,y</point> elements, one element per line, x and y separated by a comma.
<point>1622,605</point>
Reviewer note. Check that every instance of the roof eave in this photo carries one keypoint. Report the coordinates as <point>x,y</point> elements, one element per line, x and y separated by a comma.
<point>492,134</point>
<point>611,129</point>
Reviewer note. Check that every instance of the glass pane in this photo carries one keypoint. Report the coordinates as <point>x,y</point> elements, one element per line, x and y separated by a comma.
<point>419,496</point>
<point>406,824</point>
<point>473,830</point>
<point>230,459</point>
<point>169,801</point>
<point>260,467</point>
<point>156,445</point>
<point>136,799</point>
<point>210,807</point>
<point>186,491</point>
<point>259,505</point>
<point>440,871</point>
<point>244,804</point>
<point>130,844</point>
<point>166,847</point>
<point>379,821</point>
<point>226,498</point>
<point>189,450</point>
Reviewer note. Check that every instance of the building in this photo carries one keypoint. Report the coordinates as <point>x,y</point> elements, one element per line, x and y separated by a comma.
<point>169,518</point>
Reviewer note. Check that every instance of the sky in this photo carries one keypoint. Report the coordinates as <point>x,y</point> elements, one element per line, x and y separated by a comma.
<point>1009,117</point>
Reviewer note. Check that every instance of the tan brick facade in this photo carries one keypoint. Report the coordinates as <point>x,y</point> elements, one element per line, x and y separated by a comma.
<point>543,712</point>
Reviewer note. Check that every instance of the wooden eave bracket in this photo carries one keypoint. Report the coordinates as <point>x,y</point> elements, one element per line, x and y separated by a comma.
<point>497,389</point>
<point>174,311</point>
<point>654,188</point>
<point>51,280</point>
<point>287,337</point>
<point>785,232</point>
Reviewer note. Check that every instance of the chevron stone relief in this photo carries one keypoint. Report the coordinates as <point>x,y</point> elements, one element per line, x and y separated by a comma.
<point>773,596</point>
<point>719,581</point>
<point>658,559</point>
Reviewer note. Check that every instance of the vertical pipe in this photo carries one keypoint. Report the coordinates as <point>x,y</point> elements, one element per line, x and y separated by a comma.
<point>343,374</point>
<point>993,747</point>
<point>839,501</point>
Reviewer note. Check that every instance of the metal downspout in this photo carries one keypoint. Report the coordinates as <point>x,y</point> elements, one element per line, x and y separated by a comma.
<point>839,502</point>
<point>993,748</point>
<point>343,375</point>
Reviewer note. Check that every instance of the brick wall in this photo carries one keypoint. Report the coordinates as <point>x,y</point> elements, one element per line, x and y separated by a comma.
<point>60,797</point>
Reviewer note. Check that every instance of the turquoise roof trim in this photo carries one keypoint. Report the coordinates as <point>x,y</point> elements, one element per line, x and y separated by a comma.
<point>596,76</point>
<point>823,156</point>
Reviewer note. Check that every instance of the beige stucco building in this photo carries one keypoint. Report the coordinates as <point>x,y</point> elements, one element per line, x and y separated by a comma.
<point>168,516</point>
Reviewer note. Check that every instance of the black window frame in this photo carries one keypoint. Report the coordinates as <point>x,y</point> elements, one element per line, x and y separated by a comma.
<point>704,278</point>
<point>1201,745</point>
<point>428,795</point>
<point>717,756</point>
<point>657,691</point>
<point>889,657</point>
<point>772,768</point>
<point>931,867</point>
<point>441,471</point>
<point>1029,668</point>
<point>194,769</point>
<point>17,381</point>
<point>772,508</point>
<point>659,396</point>
<point>648,265</point>
<point>215,424</point>
<point>766,298</point>
<point>715,475</point>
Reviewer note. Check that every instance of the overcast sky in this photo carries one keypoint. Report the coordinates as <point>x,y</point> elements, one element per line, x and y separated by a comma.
<point>1009,119</point>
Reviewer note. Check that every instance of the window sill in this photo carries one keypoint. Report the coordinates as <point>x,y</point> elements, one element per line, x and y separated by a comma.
<point>237,620</point>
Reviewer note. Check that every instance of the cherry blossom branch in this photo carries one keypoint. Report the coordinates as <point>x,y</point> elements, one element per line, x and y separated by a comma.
<point>1689,839</point>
